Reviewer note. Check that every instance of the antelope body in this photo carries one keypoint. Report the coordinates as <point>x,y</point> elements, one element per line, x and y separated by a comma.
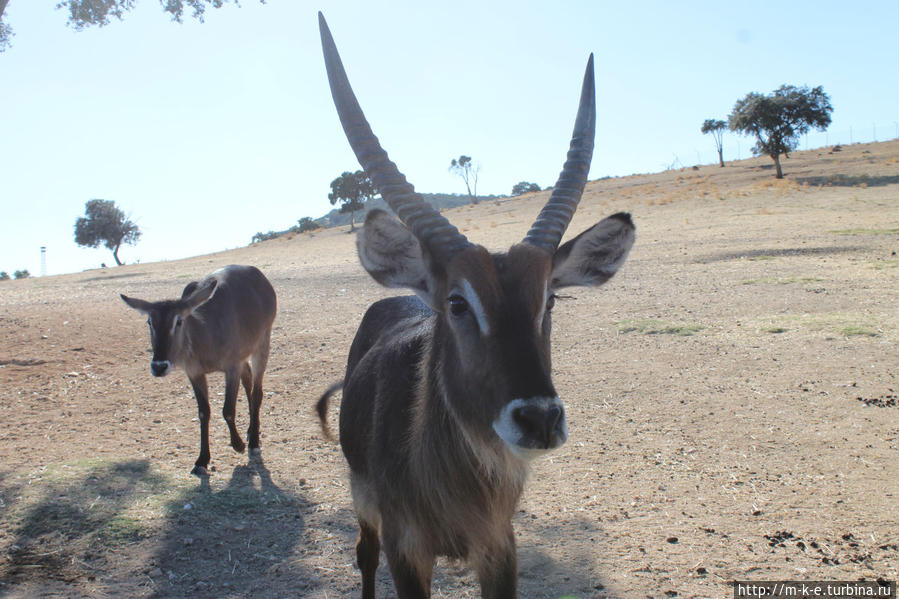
<point>221,324</point>
<point>447,396</point>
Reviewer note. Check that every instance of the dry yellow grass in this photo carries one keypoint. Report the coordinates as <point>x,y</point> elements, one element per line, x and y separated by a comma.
<point>776,415</point>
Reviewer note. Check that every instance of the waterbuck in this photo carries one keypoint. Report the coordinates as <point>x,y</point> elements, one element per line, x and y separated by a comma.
<point>447,396</point>
<point>221,324</point>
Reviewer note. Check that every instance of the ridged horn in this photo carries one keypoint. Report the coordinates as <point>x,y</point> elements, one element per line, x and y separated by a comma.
<point>547,230</point>
<point>434,231</point>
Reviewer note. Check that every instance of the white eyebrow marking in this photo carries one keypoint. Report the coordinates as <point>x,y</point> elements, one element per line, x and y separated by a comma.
<point>477,307</point>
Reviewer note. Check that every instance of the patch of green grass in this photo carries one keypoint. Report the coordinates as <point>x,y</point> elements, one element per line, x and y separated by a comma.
<point>885,264</point>
<point>91,501</point>
<point>649,326</point>
<point>781,280</point>
<point>859,331</point>
<point>865,232</point>
<point>830,323</point>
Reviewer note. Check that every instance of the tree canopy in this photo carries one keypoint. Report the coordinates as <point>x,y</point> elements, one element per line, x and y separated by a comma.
<point>88,13</point>
<point>716,128</point>
<point>352,190</point>
<point>779,118</point>
<point>524,187</point>
<point>104,223</point>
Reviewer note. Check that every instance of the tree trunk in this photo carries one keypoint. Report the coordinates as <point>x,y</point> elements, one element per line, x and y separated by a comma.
<point>721,157</point>
<point>352,221</point>
<point>779,174</point>
<point>115,254</point>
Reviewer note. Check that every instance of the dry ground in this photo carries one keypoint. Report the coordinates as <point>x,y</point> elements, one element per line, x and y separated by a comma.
<point>732,400</point>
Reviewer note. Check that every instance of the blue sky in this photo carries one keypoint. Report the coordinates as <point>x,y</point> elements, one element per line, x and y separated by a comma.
<point>206,133</point>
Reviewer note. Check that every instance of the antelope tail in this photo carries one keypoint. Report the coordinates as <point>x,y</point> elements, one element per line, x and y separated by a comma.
<point>321,408</point>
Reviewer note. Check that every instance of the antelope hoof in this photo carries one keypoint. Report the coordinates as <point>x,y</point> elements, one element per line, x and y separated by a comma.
<point>199,471</point>
<point>238,445</point>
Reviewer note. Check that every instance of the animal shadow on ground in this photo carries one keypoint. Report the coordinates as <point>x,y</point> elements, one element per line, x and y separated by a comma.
<point>558,556</point>
<point>227,541</point>
<point>124,528</point>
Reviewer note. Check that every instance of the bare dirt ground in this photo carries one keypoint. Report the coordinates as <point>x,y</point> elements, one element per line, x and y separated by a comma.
<point>731,394</point>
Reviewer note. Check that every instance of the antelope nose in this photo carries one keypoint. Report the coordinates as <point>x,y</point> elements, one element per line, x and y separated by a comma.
<point>160,368</point>
<point>540,422</point>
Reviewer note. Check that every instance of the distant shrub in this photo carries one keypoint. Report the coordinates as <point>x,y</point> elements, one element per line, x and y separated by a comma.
<point>524,187</point>
<point>265,236</point>
<point>21,274</point>
<point>307,224</point>
<point>4,276</point>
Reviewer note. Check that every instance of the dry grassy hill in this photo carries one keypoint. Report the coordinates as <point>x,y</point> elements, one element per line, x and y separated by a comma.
<point>732,399</point>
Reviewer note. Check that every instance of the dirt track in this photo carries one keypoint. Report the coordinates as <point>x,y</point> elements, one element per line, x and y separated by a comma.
<point>731,395</point>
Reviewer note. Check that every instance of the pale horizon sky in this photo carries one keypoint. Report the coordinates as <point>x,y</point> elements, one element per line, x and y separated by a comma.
<point>207,133</point>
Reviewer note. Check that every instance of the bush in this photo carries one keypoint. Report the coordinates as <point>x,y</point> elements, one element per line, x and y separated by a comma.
<point>4,276</point>
<point>307,224</point>
<point>21,274</point>
<point>265,236</point>
<point>524,187</point>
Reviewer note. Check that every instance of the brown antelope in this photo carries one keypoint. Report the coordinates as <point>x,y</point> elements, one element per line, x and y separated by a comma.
<point>221,324</point>
<point>448,396</point>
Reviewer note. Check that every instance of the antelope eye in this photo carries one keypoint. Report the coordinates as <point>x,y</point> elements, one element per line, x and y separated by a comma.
<point>550,302</point>
<point>457,305</point>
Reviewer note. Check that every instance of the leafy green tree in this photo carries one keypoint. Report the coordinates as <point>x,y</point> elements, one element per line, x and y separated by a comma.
<point>21,274</point>
<point>307,224</point>
<point>468,171</point>
<point>104,223</point>
<point>778,119</point>
<point>87,13</point>
<point>352,190</point>
<point>524,187</point>
<point>716,129</point>
<point>4,276</point>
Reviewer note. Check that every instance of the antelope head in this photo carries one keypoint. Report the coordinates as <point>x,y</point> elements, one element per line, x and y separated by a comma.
<point>493,311</point>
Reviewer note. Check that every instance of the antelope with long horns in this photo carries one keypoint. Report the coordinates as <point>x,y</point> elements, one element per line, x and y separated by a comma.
<point>447,396</point>
<point>221,324</point>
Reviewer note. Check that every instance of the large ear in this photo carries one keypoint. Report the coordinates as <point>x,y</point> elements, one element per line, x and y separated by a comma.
<point>594,256</point>
<point>140,305</point>
<point>393,256</point>
<point>200,295</point>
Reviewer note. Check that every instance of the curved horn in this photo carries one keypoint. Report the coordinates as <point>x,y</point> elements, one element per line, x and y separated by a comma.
<point>438,235</point>
<point>552,221</point>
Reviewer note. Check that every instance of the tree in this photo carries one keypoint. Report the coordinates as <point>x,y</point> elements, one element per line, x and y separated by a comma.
<point>716,128</point>
<point>352,190</point>
<point>4,276</point>
<point>778,119</point>
<point>307,224</point>
<point>466,169</point>
<point>5,30</point>
<point>524,187</point>
<point>87,13</point>
<point>21,274</point>
<point>103,223</point>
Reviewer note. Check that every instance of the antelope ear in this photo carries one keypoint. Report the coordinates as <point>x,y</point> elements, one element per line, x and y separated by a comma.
<point>393,256</point>
<point>594,256</point>
<point>199,295</point>
<point>140,305</point>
